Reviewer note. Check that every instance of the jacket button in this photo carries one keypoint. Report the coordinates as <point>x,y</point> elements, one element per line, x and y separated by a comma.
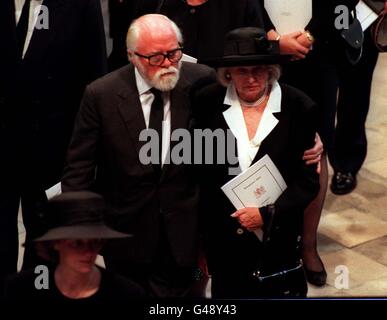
<point>239,231</point>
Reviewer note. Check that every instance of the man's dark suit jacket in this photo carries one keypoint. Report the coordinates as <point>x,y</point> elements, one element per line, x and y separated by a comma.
<point>231,249</point>
<point>39,96</point>
<point>106,143</point>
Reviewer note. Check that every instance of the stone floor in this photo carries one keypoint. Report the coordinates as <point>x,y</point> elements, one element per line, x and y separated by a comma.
<point>353,229</point>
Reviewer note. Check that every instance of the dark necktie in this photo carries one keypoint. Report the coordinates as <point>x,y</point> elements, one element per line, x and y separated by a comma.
<point>155,122</point>
<point>22,26</point>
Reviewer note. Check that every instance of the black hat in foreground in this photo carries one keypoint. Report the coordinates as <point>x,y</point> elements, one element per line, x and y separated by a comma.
<point>77,215</point>
<point>245,47</point>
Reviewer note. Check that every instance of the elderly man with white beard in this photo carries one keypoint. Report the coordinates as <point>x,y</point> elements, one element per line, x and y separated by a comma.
<point>157,203</point>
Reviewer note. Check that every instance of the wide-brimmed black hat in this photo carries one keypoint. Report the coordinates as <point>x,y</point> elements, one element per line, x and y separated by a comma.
<point>247,46</point>
<point>77,215</point>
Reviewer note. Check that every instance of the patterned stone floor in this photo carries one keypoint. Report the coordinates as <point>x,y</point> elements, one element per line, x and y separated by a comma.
<point>353,228</point>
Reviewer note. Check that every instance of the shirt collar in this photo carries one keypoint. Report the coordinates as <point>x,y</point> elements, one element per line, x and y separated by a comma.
<point>142,85</point>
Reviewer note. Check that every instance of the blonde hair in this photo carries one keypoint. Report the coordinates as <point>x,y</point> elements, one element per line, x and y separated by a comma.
<point>273,69</point>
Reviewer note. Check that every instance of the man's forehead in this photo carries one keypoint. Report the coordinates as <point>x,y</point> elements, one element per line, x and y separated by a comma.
<point>157,41</point>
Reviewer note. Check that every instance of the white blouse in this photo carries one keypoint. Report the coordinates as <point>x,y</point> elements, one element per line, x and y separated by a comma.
<point>247,149</point>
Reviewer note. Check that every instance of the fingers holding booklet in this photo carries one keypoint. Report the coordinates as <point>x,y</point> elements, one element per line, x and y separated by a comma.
<point>258,186</point>
<point>249,218</point>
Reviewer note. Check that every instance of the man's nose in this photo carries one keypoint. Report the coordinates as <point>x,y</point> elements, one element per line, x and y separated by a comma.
<point>166,63</point>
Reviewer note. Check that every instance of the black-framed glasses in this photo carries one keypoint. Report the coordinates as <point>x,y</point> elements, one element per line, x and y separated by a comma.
<point>158,59</point>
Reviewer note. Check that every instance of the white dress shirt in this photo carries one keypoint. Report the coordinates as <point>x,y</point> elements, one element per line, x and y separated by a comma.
<point>247,149</point>
<point>33,16</point>
<point>146,99</point>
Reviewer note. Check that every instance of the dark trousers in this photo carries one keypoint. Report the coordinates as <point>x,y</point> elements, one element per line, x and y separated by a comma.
<point>350,143</point>
<point>31,202</point>
<point>162,277</point>
<point>340,89</point>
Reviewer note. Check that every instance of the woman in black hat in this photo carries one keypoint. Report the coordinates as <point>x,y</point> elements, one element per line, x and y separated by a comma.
<point>71,244</point>
<point>265,118</point>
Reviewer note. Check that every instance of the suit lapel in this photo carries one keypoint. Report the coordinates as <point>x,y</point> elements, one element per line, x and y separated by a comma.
<point>41,38</point>
<point>267,142</point>
<point>269,121</point>
<point>130,109</point>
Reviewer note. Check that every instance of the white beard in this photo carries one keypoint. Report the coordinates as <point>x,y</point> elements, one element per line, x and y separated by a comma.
<point>163,83</point>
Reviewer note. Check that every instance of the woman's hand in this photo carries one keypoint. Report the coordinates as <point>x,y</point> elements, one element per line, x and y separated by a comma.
<point>288,44</point>
<point>249,218</point>
<point>305,40</point>
<point>313,155</point>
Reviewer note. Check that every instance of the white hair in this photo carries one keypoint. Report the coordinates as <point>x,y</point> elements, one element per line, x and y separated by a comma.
<point>155,21</point>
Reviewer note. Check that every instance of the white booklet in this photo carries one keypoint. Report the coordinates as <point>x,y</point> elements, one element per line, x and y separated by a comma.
<point>54,191</point>
<point>365,15</point>
<point>258,186</point>
<point>290,15</point>
<point>188,58</point>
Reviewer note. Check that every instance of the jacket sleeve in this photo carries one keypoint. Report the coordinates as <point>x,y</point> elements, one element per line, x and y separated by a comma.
<point>254,14</point>
<point>80,167</point>
<point>305,183</point>
<point>266,19</point>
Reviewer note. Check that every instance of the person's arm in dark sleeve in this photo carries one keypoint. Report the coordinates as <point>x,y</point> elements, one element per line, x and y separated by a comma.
<point>288,42</point>
<point>81,161</point>
<point>94,45</point>
<point>268,24</point>
<point>254,14</point>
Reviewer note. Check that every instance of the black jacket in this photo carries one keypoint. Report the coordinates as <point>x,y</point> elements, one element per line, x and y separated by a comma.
<point>40,95</point>
<point>230,248</point>
<point>106,141</point>
<point>205,26</point>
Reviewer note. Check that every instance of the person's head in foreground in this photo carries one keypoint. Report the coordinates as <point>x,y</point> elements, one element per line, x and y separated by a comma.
<point>73,240</point>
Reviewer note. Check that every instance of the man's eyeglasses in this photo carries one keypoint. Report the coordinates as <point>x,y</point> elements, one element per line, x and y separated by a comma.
<point>159,58</point>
